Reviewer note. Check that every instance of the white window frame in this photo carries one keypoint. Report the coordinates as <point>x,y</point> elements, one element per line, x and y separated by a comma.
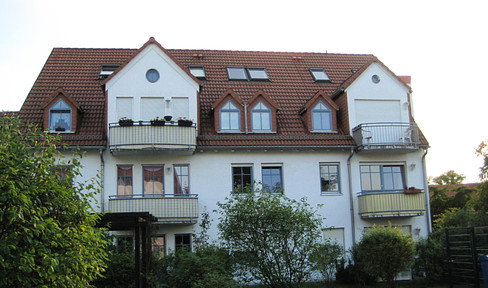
<point>324,114</point>
<point>230,111</point>
<point>261,113</point>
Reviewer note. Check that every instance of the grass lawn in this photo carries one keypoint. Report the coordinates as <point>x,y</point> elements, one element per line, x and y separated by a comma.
<point>402,284</point>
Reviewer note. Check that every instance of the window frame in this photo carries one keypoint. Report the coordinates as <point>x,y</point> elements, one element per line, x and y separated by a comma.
<point>144,193</point>
<point>66,110</point>
<point>124,177</point>
<point>324,114</point>
<point>267,188</point>
<point>250,71</point>
<point>200,68</point>
<point>382,174</point>
<point>338,175</point>
<point>261,112</point>
<point>183,245</point>
<point>176,175</point>
<point>242,77</point>
<point>230,111</point>
<point>241,175</point>
<point>316,72</point>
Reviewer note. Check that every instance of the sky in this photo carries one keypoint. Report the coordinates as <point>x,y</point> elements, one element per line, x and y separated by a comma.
<point>441,44</point>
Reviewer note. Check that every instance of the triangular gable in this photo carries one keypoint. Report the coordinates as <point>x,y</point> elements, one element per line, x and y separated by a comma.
<point>228,93</point>
<point>355,75</point>
<point>149,42</point>
<point>320,94</point>
<point>262,94</point>
<point>61,93</point>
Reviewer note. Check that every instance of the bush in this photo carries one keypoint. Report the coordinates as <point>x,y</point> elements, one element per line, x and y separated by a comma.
<point>429,262</point>
<point>209,266</point>
<point>325,258</point>
<point>353,272</point>
<point>384,252</point>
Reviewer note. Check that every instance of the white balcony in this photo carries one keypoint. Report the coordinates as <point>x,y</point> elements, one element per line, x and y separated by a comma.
<point>391,136</point>
<point>170,209</point>
<point>143,137</point>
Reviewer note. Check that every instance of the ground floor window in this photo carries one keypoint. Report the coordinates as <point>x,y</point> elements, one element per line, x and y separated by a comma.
<point>272,179</point>
<point>159,246</point>
<point>241,177</point>
<point>182,241</point>
<point>329,179</point>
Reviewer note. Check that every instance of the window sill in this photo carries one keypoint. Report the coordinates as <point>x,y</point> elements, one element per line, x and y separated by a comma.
<point>324,131</point>
<point>262,132</point>
<point>59,132</point>
<point>331,194</point>
<point>230,132</point>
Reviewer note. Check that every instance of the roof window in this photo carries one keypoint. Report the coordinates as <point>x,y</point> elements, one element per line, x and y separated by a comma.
<point>247,73</point>
<point>107,70</point>
<point>319,75</point>
<point>197,71</point>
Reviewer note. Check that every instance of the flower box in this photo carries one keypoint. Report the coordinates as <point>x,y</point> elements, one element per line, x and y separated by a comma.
<point>185,123</point>
<point>412,190</point>
<point>158,122</point>
<point>126,122</point>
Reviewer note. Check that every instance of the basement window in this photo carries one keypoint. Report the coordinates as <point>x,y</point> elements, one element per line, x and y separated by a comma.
<point>319,75</point>
<point>197,71</point>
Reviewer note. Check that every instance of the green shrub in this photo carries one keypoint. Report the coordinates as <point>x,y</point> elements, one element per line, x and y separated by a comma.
<point>384,252</point>
<point>430,260</point>
<point>325,258</point>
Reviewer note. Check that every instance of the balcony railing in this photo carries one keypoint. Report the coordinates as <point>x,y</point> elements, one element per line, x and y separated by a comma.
<point>168,208</point>
<point>391,204</point>
<point>387,136</point>
<point>142,136</point>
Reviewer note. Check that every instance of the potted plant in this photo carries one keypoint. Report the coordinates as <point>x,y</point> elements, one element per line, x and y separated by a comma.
<point>168,117</point>
<point>157,122</point>
<point>184,122</point>
<point>59,128</point>
<point>124,121</point>
<point>412,190</point>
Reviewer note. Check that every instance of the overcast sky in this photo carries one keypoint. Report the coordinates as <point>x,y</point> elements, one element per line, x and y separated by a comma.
<point>441,44</point>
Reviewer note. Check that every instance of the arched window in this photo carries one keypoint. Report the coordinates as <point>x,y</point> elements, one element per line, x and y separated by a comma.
<point>230,117</point>
<point>60,116</point>
<point>321,118</point>
<point>261,117</point>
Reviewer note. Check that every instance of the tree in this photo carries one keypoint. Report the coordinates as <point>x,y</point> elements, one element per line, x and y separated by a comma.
<point>448,178</point>
<point>325,259</point>
<point>385,252</point>
<point>48,236</point>
<point>270,236</point>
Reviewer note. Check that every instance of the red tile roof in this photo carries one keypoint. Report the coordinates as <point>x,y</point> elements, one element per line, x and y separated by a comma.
<point>290,86</point>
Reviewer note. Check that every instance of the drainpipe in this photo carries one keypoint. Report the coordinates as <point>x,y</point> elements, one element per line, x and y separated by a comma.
<point>102,191</point>
<point>426,196</point>
<point>245,118</point>
<point>351,196</point>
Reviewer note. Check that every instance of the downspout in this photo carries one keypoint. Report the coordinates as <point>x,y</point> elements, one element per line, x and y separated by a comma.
<point>426,196</point>
<point>245,118</point>
<point>102,190</point>
<point>349,170</point>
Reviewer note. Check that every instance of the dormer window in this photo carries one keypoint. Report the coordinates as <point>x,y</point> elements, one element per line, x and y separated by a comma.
<point>197,71</point>
<point>321,118</point>
<point>230,117</point>
<point>60,117</point>
<point>319,75</point>
<point>261,117</point>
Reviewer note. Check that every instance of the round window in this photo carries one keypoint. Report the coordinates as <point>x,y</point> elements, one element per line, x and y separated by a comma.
<point>152,75</point>
<point>376,79</point>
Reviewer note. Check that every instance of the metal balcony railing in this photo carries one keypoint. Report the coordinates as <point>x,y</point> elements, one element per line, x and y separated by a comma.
<point>386,136</point>
<point>168,208</point>
<point>142,136</point>
<point>391,204</point>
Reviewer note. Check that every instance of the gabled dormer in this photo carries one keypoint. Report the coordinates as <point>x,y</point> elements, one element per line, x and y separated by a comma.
<point>229,113</point>
<point>61,112</point>
<point>262,113</point>
<point>319,114</point>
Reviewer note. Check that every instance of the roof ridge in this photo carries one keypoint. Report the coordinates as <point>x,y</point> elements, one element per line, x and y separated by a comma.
<point>270,51</point>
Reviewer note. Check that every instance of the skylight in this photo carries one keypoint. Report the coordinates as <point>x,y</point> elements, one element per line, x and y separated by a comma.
<point>107,69</point>
<point>198,71</point>
<point>237,73</point>
<point>319,75</point>
<point>247,73</point>
<point>257,73</point>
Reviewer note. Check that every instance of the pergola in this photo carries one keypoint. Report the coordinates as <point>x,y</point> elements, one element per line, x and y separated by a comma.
<point>140,223</point>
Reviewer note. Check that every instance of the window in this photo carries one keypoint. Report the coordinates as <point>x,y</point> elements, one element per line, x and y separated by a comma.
<point>241,177</point>
<point>321,118</point>
<point>197,71</point>
<point>158,246</point>
<point>329,179</point>
<point>250,73</point>
<point>261,117</point>
<point>153,180</point>
<point>124,180</point>
<point>182,241</point>
<point>60,116</point>
<point>236,73</point>
<point>257,73</point>
<point>382,178</point>
<point>107,70</point>
<point>182,180</point>
<point>152,108</point>
<point>272,180</point>
<point>335,235</point>
<point>152,75</point>
<point>319,75</point>
<point>124,107</point>
<point>230,117</point>
<point>63,172</point>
